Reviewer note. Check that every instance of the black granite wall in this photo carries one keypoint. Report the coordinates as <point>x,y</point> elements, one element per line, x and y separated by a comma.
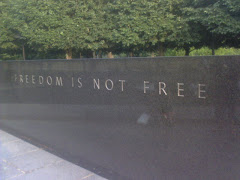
<point>138,98</point>
<point>149,84</point>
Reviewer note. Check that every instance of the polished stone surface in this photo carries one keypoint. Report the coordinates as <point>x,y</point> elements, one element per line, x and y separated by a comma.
<point>160,118</point>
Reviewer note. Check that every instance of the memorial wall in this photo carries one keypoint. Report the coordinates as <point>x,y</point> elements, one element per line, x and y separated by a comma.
<point>129,99</point>
<point>149,84</point>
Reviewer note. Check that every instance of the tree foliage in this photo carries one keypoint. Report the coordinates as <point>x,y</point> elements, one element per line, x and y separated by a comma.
<point>132,26</point>
<point>219,20</point>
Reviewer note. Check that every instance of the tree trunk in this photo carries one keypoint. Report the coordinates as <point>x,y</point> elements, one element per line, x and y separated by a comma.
<point>161,49</point>
<point>100,54</point>
<point>187,51</point>
<point>131,54</point>
<point>69,54</point>
<point>23,51</point>
<point>213,45</point>
<point>213,51</point>
<point>80,55</point>
<point>94,54</point>
<point>110,55</point>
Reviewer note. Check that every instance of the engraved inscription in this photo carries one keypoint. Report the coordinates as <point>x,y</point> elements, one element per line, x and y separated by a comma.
<point>109,84</point>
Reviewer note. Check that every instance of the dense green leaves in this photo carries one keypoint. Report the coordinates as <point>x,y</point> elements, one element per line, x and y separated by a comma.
<point>218,18</point>
<point>94,26</point>
<point>64,25</point>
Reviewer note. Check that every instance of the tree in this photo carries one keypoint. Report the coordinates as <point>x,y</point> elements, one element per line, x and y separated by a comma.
<point>66,24</point>
<point>131,26</point>
<point>11,39</point>
<point>153,24</point>
<point>220,19</point>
